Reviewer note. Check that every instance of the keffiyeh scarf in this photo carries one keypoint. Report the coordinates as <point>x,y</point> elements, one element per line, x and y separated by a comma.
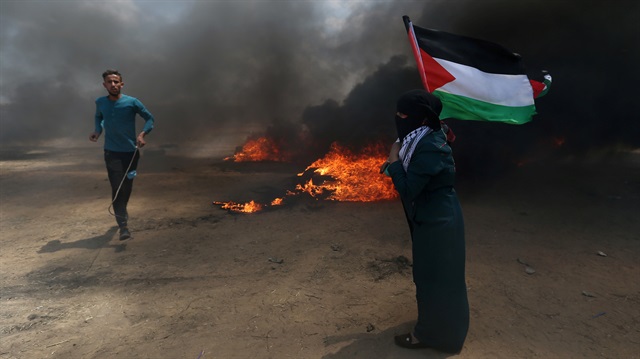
<point>409,143</point>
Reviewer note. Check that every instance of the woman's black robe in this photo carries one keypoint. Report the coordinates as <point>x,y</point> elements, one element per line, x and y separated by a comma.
<point>437,232</point>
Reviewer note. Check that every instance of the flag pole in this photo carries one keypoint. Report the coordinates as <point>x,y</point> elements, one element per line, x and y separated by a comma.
<point>416,50</point>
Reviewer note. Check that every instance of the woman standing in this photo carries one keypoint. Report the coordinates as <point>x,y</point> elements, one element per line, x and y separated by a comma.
<point>423,172</point>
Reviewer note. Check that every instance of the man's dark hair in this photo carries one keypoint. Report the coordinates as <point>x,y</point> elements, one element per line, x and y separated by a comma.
<point>111,72</point>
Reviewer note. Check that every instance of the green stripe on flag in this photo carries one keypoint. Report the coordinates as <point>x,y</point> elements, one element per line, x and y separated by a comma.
<point>465,108</point>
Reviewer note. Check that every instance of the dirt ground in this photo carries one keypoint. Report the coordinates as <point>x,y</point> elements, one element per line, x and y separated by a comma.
<point>552,263</point>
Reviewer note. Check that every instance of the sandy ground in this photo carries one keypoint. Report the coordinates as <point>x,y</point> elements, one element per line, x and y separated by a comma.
<point>312,279</point>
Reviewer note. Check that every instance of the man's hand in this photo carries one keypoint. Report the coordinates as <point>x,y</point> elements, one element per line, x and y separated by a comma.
<point>140,140</point>
<point>94,137</point>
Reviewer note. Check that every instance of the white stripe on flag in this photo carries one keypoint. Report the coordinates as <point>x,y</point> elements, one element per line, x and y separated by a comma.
<point>499,89</point>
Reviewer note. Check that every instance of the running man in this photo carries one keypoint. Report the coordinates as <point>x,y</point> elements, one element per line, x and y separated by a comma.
<point>116,114</point>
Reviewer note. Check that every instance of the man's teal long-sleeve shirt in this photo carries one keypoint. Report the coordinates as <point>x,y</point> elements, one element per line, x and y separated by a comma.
<point>117,118</point>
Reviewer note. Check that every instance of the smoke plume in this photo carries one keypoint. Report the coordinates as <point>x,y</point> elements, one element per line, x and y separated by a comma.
<point>329,70</point>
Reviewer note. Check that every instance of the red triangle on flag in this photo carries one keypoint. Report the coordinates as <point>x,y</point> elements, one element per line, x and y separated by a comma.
<point>437,76</point>
<point>537,87</point>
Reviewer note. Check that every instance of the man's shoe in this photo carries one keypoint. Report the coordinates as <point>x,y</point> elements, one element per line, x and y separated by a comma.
<point>124,233</point>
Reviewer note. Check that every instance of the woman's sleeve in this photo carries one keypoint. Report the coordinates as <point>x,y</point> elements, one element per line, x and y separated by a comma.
<point>424,164</point>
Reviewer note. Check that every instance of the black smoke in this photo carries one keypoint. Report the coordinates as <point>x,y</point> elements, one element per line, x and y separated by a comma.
<point>277,67</point>
<point>366,115</point>
<point>590,51</point>
<point>205,69</point>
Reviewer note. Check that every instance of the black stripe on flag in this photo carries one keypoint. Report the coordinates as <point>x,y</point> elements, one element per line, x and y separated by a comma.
<point>483,55</point>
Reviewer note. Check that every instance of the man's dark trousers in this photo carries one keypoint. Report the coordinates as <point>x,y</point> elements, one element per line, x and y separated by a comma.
<point>117,164</point>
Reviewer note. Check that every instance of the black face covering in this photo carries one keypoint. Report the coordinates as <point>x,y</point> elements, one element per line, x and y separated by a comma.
<point>421,108</point>
<point>406,125</point>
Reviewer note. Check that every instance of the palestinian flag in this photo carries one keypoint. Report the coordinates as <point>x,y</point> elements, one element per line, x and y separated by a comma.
<point>474,79</point>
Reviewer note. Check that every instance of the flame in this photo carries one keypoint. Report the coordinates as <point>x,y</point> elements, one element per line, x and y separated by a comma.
<point>248,207</point>
<point>346,176</point>
<point>259,149</point>
<point>354,177</point>
<point>309,188</point>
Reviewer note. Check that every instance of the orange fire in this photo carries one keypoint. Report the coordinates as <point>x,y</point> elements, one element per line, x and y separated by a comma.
<point>259,149</point>
<point>346,176</point>
<point>354,177</point>
<point>248,207</point>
